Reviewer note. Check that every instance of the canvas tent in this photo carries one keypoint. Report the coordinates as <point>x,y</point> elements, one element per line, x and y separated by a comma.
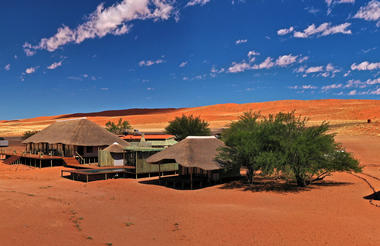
<point>117,154</point>
<point>134,156</point>
<point>195,155</point>
<point>72,137</point>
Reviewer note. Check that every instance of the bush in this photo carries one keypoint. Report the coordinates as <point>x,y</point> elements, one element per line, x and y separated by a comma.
<point>283,144</point>
<point>28,134</point>
<point>184,126</point>
<point>119,128</point>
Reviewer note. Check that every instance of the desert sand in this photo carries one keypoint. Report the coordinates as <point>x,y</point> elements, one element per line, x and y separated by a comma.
<point>38,207</point>
<point>347,116</point>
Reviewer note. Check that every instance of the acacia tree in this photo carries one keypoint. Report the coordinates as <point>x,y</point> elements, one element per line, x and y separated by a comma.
<point>184,126</point>
<point>119,128</point>
<point>283,144</point>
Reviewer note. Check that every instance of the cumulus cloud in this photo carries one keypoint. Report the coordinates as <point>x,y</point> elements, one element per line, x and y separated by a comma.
<point>285,31</point>
<point>149,63</point>
<point>286,60</point>
<point>31,70</point>
<point>365,66</point>
<point>183,64</point>
<point>370,12</point>
<point>314,69</point>
<point>196,2</point>
<point>323,29</point>
<point>55,65</point>
<point>266,64</point>
<point>113,20</point>
<point>7,67</point>
<point>325,71</point>
<point>269,62</point>
<point>241,41</point>
<point>239,67</point>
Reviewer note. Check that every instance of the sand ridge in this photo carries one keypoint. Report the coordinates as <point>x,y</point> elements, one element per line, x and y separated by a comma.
<point>349,116</point>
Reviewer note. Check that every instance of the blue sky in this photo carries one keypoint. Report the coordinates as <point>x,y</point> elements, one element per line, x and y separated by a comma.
<point>84,56</point>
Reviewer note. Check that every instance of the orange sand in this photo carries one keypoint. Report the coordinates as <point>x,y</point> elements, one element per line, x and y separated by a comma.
<point>348,115</point>
<point>38,207</point>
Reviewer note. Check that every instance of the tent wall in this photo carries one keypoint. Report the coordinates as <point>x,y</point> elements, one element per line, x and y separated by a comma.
<point>143,167</point>
<point>105,158</point>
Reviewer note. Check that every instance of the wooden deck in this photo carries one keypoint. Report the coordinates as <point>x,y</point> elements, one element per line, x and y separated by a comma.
<point>107,172</point>
<point>28,155</point>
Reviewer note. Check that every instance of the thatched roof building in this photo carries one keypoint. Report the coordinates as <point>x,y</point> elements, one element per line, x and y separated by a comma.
<point>76,137</point>
<point>78,132</point>
<point>115,148</point>
<point>193,151</point>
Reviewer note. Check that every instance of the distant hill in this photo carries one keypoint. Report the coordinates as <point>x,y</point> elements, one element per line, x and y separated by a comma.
<point>344,114</point>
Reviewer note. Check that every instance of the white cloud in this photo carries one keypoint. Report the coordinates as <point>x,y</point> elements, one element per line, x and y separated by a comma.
<point>103,21</point>
<point>286,60</point>
<point>149,63</point>
<point>365,66</point>
<point>325,71</point>
<point>269,62</point>
<point>332,86</point>
<point>352,93</point>
<point>253,53</point>
<point>375,92</point>
<point>361,84</point>
<point>285,31</point>
<point>196,2</point>
<point>323,29</point>
<point>183,64</point>
<point>330,3</point>
<point>305,58</point>
<point>7,67</point>
<point>55,65</point>
<point>241,41</point>
<point>304,87</point>
<point>31,70</point>
<point>314,69</point>
<point>239,67</point>
<point>370,12</point>
<point>266,64</point>
<point>214,71</point>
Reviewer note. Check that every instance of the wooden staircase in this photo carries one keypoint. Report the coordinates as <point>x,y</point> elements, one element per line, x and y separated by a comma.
<point>12,159</point>
<point>71,161</point>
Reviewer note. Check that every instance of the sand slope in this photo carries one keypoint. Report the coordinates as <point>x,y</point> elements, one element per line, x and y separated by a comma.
<point>347,115</point>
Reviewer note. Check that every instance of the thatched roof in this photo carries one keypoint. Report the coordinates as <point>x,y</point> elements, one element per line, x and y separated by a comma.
<point>80,132</point>
<point>115,148</point>
<point>191,152</point>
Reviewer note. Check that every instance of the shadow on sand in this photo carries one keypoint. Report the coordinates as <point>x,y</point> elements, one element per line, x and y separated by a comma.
<point>374,196</point>
<point>178,183</point>
<point>276,185</point>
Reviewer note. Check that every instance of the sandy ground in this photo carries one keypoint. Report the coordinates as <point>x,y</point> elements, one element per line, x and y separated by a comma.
<point>38,207</point>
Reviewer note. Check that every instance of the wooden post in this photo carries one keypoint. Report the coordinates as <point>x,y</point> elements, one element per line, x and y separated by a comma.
<point>51,163</point>
<point>87,178</point>
<point>159,170</point>
<point>40,163</point>
<point>191,178</point>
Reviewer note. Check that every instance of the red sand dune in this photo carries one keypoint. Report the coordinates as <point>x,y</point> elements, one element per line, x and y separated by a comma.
<point>220,115</point>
